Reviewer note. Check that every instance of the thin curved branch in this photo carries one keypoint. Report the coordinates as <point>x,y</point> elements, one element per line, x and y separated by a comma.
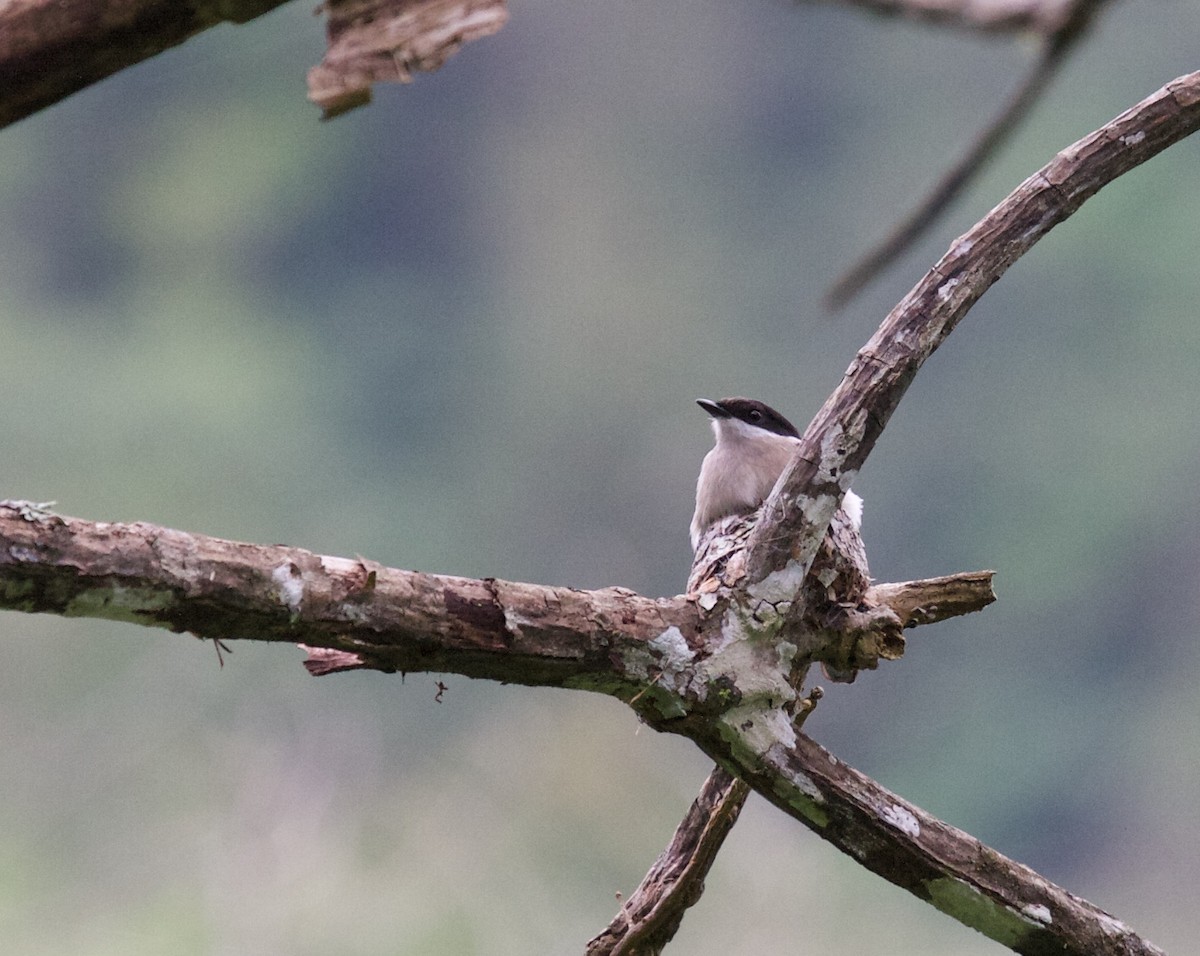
<point>1072,20</point>
<point>952,183</point>
<point>1043,17</point>
<point>841,436</point>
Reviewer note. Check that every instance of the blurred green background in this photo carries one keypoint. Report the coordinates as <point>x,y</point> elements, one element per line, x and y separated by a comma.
<point>461,331</point>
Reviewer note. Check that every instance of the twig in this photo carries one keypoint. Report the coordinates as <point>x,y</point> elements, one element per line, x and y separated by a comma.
<point>1042,17</point>
<point>1053,54</point>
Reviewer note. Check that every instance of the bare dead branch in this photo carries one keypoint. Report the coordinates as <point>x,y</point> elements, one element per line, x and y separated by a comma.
<point>841,436</point>
<point>935,599</point>
<point>937,862</point>
<point>350,613</point>
<point>387,40</point>
<point>360,613</point>
<point>50,49</point>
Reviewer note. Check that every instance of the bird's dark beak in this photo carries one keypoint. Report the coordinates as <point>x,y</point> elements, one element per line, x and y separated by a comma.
<point>715,409</point>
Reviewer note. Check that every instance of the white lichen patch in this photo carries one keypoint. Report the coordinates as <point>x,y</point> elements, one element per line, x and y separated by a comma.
<point>756,731</point>
<point>747,655</point>
<point>290,581</point>
<point>781,585</point>
<point>946,289</point>
<point>667,661</point>
<point>354,613</point>
<point>673,658</point>
<point>1038,912</point>
<point>831,442</point>
<point>1132,139</point>
<point>902,819</point>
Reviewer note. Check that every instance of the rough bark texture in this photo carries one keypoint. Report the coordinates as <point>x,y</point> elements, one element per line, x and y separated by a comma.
<point>372,41</point>
<point>662,654</point>
<point>937,862</point>
<point>50,49</point>
<point>384,618</point>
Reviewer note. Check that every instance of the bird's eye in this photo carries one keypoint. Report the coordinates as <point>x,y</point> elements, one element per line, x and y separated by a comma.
<point>755,415</point>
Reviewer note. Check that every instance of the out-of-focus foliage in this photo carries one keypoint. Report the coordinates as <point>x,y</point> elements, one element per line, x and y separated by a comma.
<point>461,331</point>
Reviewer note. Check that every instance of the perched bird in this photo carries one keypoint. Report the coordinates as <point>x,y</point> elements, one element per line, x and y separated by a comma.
<point>754,444</point>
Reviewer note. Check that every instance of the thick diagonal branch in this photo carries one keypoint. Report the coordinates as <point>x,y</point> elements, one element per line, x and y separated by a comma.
<point>50,49</point>
<point>935,861</point>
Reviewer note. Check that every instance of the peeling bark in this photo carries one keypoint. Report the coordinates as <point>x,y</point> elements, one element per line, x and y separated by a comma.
<point>372,41</point>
